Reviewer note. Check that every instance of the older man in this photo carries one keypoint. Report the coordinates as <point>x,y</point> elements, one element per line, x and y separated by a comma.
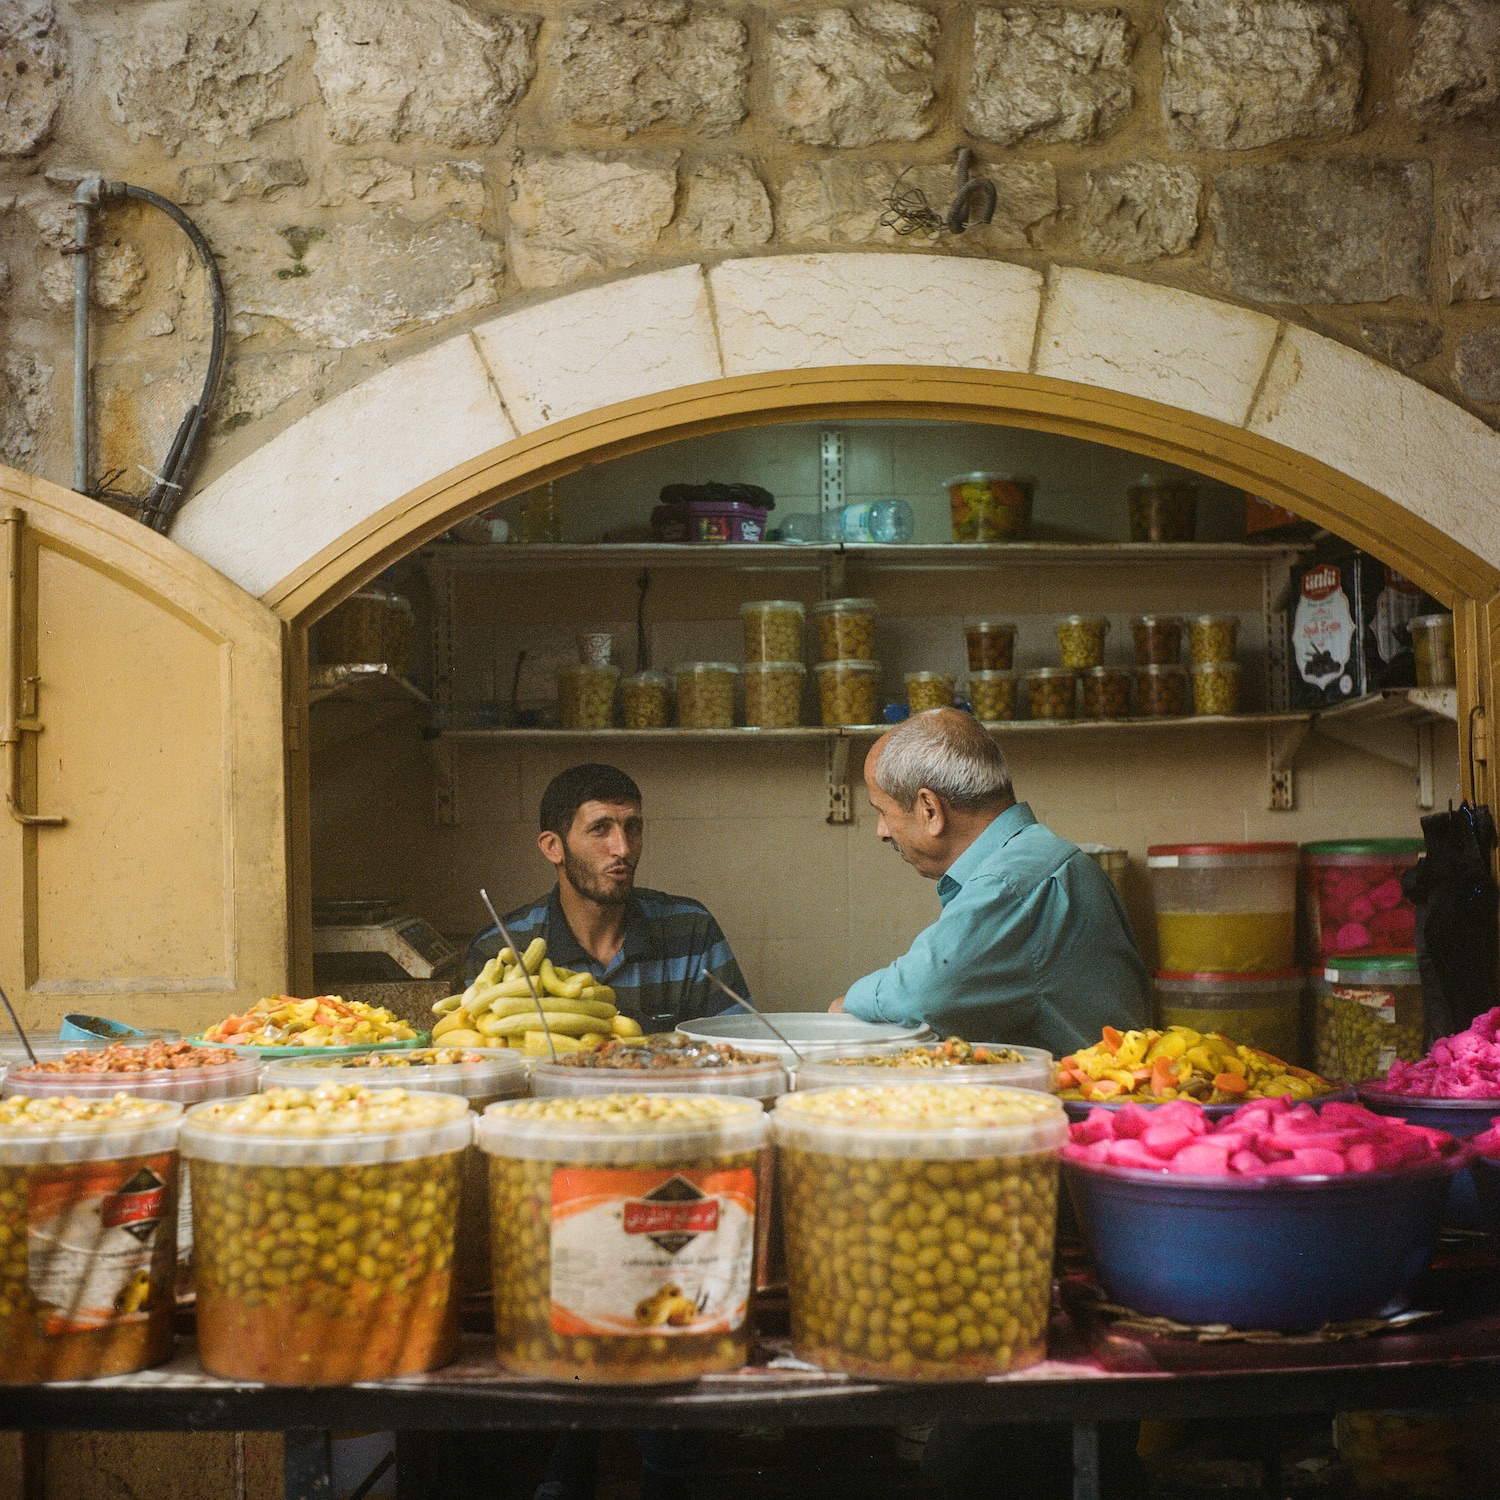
<point>1033,945</point>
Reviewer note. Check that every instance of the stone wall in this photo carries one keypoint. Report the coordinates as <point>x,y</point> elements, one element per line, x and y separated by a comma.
<point>375,174</point>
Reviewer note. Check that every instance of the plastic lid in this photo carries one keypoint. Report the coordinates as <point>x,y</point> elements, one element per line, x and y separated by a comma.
<point>1169,856</point>
<point>1085,620</point>
<point>774,666</point>
<point>1212,619</point>
<point>1372,968</point>
<point>1037,1071</point>
<point>684,667</point>
<point>930,677</point>
<point>1150,620</point>
<point>765,1080</point>
<point>851,664</point>
<point>1156,668</point>
<point>1364,846</point>
<point>921,1121</point>
<point>1106,672</point>
<point>330,1126</point>
<point>850,606</point>
<point>491,1074</point>
<point>241,1075</point>
<point>654,679</point>
<point>981,476</point>
<point>93,1137</point>
<point>1232,667</point>
<point>993,674</point>
<point>810,1032</point>
<point>1051,672</point>
<point>756,605</point>
<point>1258,976</point>
<point>986,626</point>
<point>710,1125</point>
<point>1428,622</point>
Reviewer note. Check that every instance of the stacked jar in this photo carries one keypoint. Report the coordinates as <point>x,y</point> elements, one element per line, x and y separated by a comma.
<point>1214,641</point>
<point>1160,681</point>
<point>773,662</point>
<point>848,674</point>
<point>991,649</point>
<point>1226,925</point>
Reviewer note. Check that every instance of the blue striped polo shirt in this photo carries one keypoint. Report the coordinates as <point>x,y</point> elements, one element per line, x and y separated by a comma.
<point>656,975</point>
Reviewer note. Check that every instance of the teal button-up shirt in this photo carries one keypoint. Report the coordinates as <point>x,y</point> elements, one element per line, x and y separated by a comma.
<point>1033,947</point>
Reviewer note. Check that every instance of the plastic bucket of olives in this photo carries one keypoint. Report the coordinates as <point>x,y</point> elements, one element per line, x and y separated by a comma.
<point>481,1078</point>
<point>324,1223</point>
<point>88,1217</point>
<point>623,1233</point>
<point>951,1061</point>
<point>919,1227</point>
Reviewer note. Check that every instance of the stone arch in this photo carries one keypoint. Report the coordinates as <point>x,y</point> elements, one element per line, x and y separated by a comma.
<point>648,358</point>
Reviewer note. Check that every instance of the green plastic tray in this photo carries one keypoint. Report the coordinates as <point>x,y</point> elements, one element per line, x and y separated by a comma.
<point>275,1054</point>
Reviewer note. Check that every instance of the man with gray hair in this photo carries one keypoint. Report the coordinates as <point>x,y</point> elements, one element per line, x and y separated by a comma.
<point>1033,946</point>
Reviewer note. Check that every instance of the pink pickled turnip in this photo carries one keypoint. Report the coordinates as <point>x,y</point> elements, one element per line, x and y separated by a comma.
<point>1387,895</point>
<point>1351,937</point>
<point>1463,1066</point>
<point>1269,1138</point>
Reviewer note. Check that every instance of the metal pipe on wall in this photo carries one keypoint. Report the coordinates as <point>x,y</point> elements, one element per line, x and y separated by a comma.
<point>85,200</point>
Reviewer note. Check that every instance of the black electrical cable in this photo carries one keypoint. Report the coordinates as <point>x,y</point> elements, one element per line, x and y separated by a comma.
<point>159,508</point>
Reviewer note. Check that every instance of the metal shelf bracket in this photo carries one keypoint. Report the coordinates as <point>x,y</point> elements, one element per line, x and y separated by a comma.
<point>1282,746</point>
<point>840,800</point>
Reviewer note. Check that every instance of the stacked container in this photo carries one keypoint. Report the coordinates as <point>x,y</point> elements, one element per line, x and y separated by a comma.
<point>1226,925</point>
<point>1214,642</point>
<point>848,674</point>
<point>773,662</point>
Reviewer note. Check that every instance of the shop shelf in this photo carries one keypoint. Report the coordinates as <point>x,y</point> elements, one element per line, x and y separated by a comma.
<point>353,698</point>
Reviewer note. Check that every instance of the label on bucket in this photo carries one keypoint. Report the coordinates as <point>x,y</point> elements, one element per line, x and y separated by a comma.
<point>91,1233</point>
<point>651,1252</point>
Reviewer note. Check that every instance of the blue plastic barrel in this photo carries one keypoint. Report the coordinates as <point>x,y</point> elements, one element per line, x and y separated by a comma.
<point>1461,1118</point>
<point>1273,1253</point>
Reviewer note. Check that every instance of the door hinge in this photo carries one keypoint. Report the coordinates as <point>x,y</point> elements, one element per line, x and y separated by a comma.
<point>1479,736</point>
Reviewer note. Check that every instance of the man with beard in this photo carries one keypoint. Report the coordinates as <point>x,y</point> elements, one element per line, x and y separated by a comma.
<point>648,947</point>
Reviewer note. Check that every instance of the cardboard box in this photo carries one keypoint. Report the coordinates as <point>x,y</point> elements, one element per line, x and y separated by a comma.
<point>1346,629</point>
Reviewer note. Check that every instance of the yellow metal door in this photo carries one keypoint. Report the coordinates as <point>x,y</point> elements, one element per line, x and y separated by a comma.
<point>143,841</point>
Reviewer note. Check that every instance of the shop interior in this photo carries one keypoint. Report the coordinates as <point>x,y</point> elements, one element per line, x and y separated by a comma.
<point>426,775</point>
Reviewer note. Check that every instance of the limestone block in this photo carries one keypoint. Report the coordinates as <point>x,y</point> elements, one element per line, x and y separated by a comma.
<point>725,205</point>
<point>1477,365</point>
<point>255,385</point>
<point>578,213</point>
<point>1043,73</point>
<point>194,71</point>
<point>458,187</point>
<point>230,181</point>
<point>624,66</point>
<point>372,179</point>
<point>592,348</point>
<point>833,202</point>
<point>799,311</point>
<point>431,69</point>
<point>33,75</point>
<point>25,405</point>
<point>116,275</point>
<point>1351,230</point>
<point>1402,342</point>
<point>343,462</point>
<point>1138,211</point>
<point>1473,208</point>
<point>1454,70</point>
<point>1387,431</point>
<point>354,283</point>
<point>851,77</point>
<point>1244,73</point>
<point>1153,341</point>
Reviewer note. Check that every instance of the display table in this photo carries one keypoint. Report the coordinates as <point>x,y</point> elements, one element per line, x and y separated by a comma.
<point>1094,1374</point>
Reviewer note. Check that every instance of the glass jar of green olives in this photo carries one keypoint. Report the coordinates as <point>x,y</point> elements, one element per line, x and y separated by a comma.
<point>324,1223</point>
<point>623,1228</point>
<point>919,1227</point>
<point>1377,1014</point>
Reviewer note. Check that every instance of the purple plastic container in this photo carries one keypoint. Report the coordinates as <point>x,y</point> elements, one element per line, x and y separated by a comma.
<point>731,521</point>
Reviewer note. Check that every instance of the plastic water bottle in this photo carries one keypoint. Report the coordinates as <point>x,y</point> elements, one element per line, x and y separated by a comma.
<point>864,522</point>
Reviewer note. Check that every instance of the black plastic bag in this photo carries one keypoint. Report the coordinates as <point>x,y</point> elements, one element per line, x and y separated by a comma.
<point>1458,924</point>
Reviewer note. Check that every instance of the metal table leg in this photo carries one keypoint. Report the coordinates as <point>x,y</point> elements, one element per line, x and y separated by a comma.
<point>1085,1461</point>
<point>308,1463</point>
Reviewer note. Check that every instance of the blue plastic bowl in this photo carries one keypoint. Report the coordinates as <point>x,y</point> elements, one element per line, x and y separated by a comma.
<point>1461,1118</point>
<point>1486,1173</point>
<point>1274,1253</point>
<point>1078,1109</point>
